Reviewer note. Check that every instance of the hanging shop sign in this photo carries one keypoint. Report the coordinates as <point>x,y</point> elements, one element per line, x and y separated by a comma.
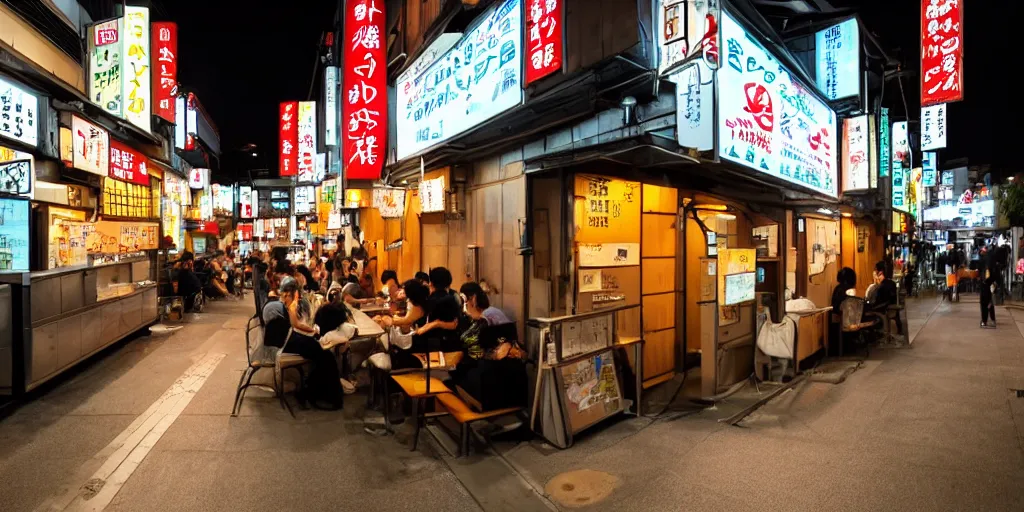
<point>245,232</point>
<point>136,81</point>
<point>19,113</point>
<point>914,193</point>
<point>331,106</point>
<point>857,154</point>
<point>16,171</point>
<point>198,179</point>
<point>545,45</point>
<point>320,168</point>
<point>929,166</point>
<point>191,122</point>
<point>245,209</point>
<point>942,52</point>
<point>933,127</point>
<point>205,207</point>
<point>477,79</point>
<point>179,122</point>
<point>105,65</point>
<point>689,30</point>
<point>837,56</point>
<point>165,69</point>
<point>223,199</point>
<point>769,121</point>
<point>695,106</point>
<point>900,148</point>
<point>126,164</point>
<point>305,199</point>
<point>884,161</point>
<point>329,192</point>
<point>307,141</point>
<point>390,202</point>
<point>288,150</point>
<point>90,144</point>
<point>364,109</point>
<point>432,195</point>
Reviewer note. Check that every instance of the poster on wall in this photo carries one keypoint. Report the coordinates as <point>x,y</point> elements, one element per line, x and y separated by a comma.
<point>469,84</point>
<point>90,145</point>
<point>837,58</point>
<point>608,255</point>
<point>942,50</point>
<point>933,127</point>
<point>591,390</point>
<point>856,154</point>
<point>307,141</point>
<point>390,202</point>
<point>695,106</point>
<point>432,195</point>
<point>165,69</point>
<point>136,80</point>
<point>734,262</point>
<point>770,122</point>
<point>14,234</point>
<point>105,65</point>
<point>16,171</point>
<point>364,107</point>
<point>544,32</point>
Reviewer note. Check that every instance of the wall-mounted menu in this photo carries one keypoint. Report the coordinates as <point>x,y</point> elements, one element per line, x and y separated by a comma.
<point>14,234</point>
<point>110,237</point>
<point>432,195</point>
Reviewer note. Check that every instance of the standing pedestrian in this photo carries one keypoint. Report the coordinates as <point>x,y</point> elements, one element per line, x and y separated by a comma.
<point>988,309</point>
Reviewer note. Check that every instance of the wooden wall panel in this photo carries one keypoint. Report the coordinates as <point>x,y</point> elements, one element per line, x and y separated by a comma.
<point>659,275</point>
<point>660,199</point>
<point>659,353</point>
<point>659,235</point>
<point>848,235</point>
<point>695,250</point>
<point>659,312</point>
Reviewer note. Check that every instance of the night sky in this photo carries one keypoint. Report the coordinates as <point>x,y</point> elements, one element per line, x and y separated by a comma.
<point>243,58</point>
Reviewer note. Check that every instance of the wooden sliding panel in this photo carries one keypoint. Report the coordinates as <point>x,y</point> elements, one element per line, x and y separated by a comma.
<point>659,225</point>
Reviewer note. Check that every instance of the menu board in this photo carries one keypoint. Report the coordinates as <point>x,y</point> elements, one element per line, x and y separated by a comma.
<point>432,195</point>
<point>390,202</point>
<point>112,237</point>
<point>733,262</point>
<point>14,234</point>
<point>591,390</point>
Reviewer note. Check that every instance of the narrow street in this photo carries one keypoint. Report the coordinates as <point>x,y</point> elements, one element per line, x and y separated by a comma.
<point>932,427</point>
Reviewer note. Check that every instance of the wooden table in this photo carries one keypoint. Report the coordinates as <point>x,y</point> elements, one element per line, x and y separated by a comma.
<point>367,328</point>
<point>373,309</point>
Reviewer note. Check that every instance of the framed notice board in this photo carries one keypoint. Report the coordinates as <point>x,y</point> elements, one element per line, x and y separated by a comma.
<point>590,390</point>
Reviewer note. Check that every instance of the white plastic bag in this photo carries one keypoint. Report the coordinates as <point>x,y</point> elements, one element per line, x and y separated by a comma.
<point>397,339</point>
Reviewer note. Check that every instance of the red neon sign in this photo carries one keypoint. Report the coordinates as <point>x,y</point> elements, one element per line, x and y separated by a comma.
<point>544,34</point>
<point>289,138</point>
<point>364,97</point>
<point>126,164</point>
<point>942,52</point>
<point>165,68</point>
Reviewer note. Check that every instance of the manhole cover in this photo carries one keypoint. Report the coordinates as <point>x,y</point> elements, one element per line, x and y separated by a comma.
<point>581,488</point>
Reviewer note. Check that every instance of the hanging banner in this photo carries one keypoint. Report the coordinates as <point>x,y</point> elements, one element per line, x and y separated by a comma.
<point>930,169</point>
<point>91,145</point>
<point>933,127</point>
<point>942,51</point>
<point>900,150</point>
<point>136,81</point>
<point>129,165</point>
<point>837,54</point>
<point>165,66</point>
<point>695,106</point>
<point>307,141</point>
<point>364,110</point>
<point>432,195</point>
<point>799,144</point>
<point>288,150</point>
<point>331,106</point>
<point>856,154</point>
<point>544,44</point>
<point>884,161</point>
<point>105,65</point>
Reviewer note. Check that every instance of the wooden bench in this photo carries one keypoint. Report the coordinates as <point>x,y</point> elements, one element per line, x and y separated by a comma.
<point>464,415</point>
<point>414,385</point>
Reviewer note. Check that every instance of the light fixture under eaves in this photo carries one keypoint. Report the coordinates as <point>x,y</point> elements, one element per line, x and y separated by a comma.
<point>824,211</point>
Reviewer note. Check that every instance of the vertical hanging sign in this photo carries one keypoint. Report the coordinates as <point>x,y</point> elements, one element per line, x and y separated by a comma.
<point>135,80</point>
<point>942,51</point>
<point>105,65</point>
<point>544,33</point>
<point>933,127</point>
<point>900,150</point>
<point>165,68</point>
<point>364,107</point>
<point>331,106</point>
<point>883,144</point>
<point>289,135</point>
<point>307,141</point>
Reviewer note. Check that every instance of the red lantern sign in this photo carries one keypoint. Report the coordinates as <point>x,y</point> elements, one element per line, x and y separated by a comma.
<point>544,38</point>
<point>365,104</point>
<point>942,52</point>
<point>165,68</point>
<point>289,137</point>
<point>126,164</point>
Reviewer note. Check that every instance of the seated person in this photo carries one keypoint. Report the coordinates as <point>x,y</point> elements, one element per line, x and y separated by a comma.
<point>389,283</point>
<point>188,282</point>
<point>423,277</point>
<point>884,295</point>
<point>443,314</point>
<point>323,389</point>
<point>846,280</point>
<point>218,277</point>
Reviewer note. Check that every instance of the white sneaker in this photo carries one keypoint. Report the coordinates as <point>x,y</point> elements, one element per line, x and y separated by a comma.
<point>347,387</point>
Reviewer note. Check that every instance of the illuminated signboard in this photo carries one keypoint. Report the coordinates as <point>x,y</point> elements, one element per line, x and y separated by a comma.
<point>20,113</point>
<point>365,103</point>
<point>305,199</point>
<point>179,122</point>
<point>129,165</point>
<point>105,65</point>
<point>884,141</point>
<point>837,54</point>
<point>933,127</point>
<point>136,80</point>
<point>307,141</point>
<point>331,106</point>
<point>929,166</point>
<point>770,122</point>
<point>15,231</point>
<point>942,52</point>
<point>688,29</point>
<point>466,86</point>
<point>288,136</point>
<point>198,179</point>
<point>245,208</point>
<point>223,200</point>
<point>16,170</point>
<point>165,69</point>
<point>191,122</point>
<point>544,33</point>
<point>856,153</point>
<point>900,150</point>
<point>91,146</point>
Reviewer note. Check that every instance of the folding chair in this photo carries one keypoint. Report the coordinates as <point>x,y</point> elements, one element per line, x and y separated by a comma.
<point>851,320</point>
<point>263,356</point>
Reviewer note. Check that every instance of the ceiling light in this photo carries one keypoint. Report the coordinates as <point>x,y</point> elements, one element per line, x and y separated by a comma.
<point>824,211</point>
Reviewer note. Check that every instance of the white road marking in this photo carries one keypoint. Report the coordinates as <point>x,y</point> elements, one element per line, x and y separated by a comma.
<point>124,454</point>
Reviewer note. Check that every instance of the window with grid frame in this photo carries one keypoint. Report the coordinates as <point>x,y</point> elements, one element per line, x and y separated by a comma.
<point>122,199</point>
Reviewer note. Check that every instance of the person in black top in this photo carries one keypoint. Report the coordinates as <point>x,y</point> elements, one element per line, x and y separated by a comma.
<point>845,280</point>
<point>886,294</point>
<point>988,308</point>
<point>423,277</point>
<point>188,282</point>
<point>443,313</point>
